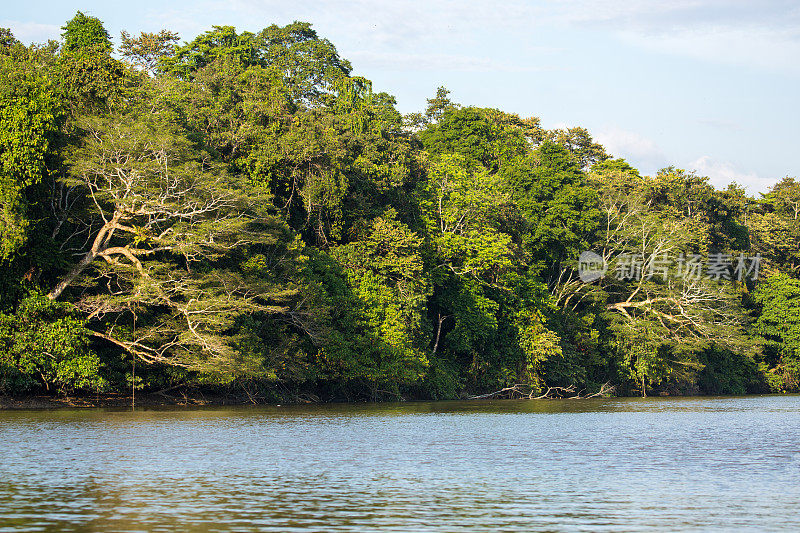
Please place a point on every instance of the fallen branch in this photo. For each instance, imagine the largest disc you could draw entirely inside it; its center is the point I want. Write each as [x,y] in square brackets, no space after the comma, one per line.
[556,392]
[508,393]
[605,389]
[522,391]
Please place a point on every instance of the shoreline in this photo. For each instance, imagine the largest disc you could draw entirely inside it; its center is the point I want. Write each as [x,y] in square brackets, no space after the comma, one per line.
[199,399]
[104,401]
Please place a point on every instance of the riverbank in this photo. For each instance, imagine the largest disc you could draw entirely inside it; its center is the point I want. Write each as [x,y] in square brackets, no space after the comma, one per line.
[118,401]
[198,398]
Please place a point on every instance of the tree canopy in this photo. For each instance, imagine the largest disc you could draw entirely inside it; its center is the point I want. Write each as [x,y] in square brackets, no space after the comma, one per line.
[243,212]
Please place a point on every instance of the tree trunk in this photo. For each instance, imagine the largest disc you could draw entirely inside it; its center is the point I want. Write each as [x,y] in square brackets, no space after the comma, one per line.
[67,280]
[99,244]
[438,333]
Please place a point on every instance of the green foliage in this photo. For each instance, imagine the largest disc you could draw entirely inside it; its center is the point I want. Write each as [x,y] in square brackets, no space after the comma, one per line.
[775,227]
[585,152]
[46,341]
[309,66]
[727,372]
[439,105]
[149,49]
[29,119]
[189,248]
[92,81]
[560,209]
[243,212]
[83,33]
[7,39]
[540,345]
[469,133]
[779,328]
[460,207]
[220,42]
[386,293]
[664,319]
[784,198]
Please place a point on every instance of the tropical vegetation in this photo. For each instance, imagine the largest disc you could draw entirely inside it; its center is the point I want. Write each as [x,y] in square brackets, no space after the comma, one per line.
[242,213]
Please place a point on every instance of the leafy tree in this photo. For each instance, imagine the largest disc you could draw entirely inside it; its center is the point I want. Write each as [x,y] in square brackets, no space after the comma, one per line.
[725,211]
[778,326]
[7,39]
[186,247]
[320,164]
[775,229]
[530,127]
[30,112]
[243,211]
[784,198]
[221,41]
[439,105]
[46,341]
[469,133]
[662,311]
[309,66]
[584,150]
[729,372]
[377,293]
[460,206]
[149,49]
[486,317]
[559,208]
[89,78]
[83,33]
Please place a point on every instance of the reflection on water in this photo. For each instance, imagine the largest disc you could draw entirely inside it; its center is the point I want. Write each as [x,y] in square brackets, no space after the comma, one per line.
[595,465]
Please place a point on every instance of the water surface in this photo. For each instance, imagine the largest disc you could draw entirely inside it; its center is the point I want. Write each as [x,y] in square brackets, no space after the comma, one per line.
[593,465]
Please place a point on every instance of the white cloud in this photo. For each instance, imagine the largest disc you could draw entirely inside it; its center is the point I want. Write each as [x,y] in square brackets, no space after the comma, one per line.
[740,32]
[432,61]
[745,45]
[32,32]
[722,173]
[638,150]
[656,16]
[721,124]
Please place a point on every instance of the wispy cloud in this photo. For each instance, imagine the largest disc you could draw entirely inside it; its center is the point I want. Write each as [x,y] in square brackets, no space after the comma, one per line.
[764,34]
[32,32]
[658,16]
[759,34]
[748,45]
[640,151]
[720,124]
[437,62]
[722,173]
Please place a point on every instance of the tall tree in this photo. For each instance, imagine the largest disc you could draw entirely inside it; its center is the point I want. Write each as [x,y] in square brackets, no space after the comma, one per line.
[148,50]
[30,112]
[778,326]
[186,248]
[84,32]
[559,208]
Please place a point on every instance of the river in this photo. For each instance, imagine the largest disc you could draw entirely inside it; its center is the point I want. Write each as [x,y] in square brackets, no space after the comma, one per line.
[660,464]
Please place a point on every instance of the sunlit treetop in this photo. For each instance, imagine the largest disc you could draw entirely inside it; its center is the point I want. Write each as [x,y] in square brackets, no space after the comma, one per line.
[84,32]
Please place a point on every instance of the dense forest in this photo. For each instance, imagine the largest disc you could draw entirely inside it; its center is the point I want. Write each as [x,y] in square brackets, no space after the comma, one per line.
[243,214]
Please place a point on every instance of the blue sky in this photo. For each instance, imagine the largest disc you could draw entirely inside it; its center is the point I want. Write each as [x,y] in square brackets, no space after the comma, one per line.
[706,85]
